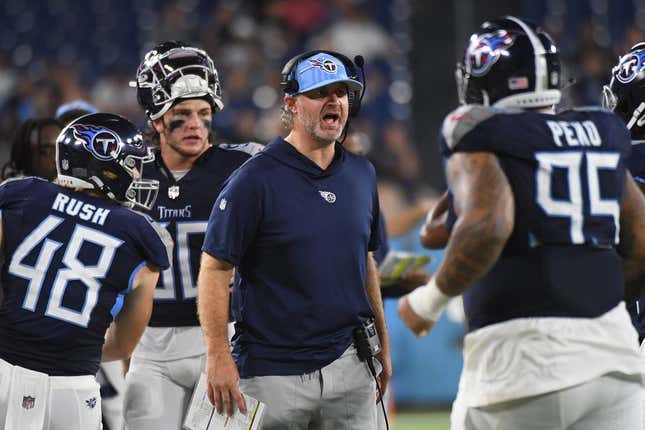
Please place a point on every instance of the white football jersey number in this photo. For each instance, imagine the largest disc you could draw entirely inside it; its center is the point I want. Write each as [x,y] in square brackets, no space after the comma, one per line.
[186,280]
[573,207]
[74,269]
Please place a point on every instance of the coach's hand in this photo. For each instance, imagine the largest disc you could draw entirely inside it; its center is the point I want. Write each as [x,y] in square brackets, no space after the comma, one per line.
[419,326]
[222,377]
[385,375]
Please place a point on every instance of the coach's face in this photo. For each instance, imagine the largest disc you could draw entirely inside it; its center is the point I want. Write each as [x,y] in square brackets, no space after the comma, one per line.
[184,129]
[322,112]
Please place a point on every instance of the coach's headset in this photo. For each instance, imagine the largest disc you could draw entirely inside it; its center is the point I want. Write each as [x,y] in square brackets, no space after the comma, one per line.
[290,84]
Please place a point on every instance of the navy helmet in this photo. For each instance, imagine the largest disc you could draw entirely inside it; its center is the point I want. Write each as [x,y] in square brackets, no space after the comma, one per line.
[106,152]
[510,63]
[173,71]
[625,94]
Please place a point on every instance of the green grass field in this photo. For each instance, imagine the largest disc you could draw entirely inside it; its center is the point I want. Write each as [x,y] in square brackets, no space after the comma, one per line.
[414,420]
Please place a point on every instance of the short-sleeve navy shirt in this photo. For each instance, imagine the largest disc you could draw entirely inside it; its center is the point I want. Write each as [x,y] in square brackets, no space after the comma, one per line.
[299,238]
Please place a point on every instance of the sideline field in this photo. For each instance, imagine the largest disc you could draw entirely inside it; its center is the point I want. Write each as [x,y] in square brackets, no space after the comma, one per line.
[416,420]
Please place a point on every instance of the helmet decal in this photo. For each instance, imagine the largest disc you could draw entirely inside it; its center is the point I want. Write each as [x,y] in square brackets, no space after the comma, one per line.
[101,142]
[484,51]
[630,66]
[106,152]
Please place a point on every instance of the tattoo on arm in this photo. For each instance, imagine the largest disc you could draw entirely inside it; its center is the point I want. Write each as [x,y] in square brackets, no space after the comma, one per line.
[483,202]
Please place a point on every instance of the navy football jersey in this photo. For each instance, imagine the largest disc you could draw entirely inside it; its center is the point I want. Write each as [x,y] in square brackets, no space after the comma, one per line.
[636,161]
[69,260]
[567,173]
[183,207]
[636,166]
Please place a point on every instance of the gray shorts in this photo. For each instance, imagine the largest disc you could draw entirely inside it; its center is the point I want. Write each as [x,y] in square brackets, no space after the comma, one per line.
[341,395]
[157,393]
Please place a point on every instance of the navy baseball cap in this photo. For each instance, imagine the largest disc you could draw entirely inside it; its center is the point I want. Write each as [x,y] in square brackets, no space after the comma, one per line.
[322,69]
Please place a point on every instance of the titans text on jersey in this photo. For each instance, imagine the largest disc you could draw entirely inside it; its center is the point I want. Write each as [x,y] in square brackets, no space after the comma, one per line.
[183,207]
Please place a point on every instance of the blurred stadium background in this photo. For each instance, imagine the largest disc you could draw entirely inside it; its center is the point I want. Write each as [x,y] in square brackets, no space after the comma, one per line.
[55,51]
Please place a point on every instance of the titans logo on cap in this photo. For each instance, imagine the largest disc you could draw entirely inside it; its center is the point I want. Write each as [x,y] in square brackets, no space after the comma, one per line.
[101,142]
[484,51]
[630,66]
[324,64]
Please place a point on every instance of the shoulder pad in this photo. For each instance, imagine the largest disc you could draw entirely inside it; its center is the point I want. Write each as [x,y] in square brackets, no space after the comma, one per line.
[22,178]
[250,148]
[161,231]
[590,108]
[462,120]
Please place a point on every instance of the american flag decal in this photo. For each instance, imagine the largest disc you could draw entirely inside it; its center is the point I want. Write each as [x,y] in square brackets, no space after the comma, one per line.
[519,83]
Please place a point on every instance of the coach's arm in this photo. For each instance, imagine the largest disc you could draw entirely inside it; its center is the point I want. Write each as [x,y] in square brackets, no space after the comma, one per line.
[213,306]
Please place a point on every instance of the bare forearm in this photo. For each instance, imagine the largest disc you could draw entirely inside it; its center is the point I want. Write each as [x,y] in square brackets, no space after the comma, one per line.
[112,349]
[374,296]
[213,305]
[126,330]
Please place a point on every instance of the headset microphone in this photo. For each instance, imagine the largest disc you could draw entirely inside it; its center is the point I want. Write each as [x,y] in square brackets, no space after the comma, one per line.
[360,62]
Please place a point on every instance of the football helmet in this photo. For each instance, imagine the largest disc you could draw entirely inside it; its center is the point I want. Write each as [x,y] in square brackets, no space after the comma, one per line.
[509,63]
[174,71]
[106,152]
[625,94]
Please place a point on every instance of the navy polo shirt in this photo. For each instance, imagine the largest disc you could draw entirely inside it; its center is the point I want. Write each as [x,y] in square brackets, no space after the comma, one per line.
[299,237]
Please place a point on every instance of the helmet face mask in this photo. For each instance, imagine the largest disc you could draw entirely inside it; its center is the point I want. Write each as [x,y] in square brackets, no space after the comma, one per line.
[173,71]
[511,64]
[106,153]
[625,94]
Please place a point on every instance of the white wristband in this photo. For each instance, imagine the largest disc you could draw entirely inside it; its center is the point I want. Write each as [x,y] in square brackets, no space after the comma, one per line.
[428,301]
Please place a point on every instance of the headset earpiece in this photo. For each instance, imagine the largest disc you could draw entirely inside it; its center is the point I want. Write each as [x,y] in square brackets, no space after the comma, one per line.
[291,86]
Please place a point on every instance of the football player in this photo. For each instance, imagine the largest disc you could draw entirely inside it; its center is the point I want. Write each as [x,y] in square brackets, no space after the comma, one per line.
[110,376]
[178,87]
[542,208]
[33,149]
[77,259]
[625,95]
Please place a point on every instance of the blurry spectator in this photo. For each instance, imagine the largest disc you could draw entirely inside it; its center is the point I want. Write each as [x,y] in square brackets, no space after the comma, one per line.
[33,150]
[354,33]
[395,156]
[302,17]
